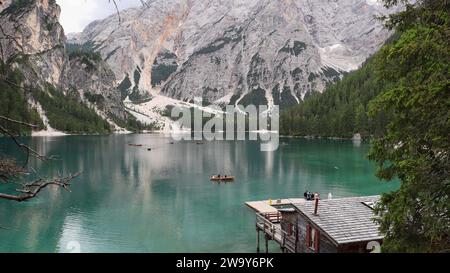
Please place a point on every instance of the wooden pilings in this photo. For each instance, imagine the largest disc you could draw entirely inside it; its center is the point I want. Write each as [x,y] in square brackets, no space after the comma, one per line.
[266,241]
[257,240]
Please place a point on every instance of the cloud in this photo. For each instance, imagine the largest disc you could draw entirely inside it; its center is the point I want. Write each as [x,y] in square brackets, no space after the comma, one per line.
[77,14]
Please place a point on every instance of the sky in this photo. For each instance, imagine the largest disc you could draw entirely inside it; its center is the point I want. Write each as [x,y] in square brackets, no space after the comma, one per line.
[76,14]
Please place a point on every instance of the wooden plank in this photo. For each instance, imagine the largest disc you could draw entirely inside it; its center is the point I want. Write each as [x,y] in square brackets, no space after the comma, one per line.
[268,220]
[261,206]
[265,207]
[344,220]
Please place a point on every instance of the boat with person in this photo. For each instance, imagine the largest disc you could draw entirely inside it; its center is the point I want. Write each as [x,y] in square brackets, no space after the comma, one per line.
[222,178]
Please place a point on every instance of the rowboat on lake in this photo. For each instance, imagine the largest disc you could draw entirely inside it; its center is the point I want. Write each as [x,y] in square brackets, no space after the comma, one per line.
[222,178]
[135,145]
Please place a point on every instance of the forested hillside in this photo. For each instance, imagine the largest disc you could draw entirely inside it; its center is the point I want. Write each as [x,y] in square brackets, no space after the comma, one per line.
[341,110]
[13,102]
[400,96]
[64,113]
[57,86]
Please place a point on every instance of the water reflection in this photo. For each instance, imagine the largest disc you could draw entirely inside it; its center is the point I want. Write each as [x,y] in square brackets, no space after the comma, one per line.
[356,142]
[130,199]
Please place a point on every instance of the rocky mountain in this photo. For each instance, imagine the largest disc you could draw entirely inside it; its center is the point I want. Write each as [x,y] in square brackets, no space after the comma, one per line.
[169,52]
[33,39]
[242,51]
[94,82]
[33,43]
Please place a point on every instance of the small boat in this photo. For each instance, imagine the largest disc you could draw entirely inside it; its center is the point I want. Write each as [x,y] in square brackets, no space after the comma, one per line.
[135,145]
[222,178]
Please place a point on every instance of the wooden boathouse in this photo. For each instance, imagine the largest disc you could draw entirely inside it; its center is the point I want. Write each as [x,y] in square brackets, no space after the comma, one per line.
[319,226]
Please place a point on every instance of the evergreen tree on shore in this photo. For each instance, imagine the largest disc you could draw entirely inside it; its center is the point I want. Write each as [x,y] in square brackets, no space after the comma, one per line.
[416,146]
[401,99]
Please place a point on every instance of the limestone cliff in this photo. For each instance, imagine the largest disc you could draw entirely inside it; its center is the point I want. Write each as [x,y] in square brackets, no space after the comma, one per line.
[252,51]
[33,42]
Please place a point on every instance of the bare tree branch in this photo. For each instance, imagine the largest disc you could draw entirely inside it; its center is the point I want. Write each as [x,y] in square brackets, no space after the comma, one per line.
[117,9]
[9,168]
[31,190]
[143,2]
[18,122]
[29,151]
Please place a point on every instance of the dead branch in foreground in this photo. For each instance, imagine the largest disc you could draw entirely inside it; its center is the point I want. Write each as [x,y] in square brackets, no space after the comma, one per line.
[9,169]
[31,190]
[29,151]
[144,4]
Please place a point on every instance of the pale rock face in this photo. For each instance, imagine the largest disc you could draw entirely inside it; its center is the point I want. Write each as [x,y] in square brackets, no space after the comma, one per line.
[240,51]
[38,35]
[94,82]
[227,52]
[38,51]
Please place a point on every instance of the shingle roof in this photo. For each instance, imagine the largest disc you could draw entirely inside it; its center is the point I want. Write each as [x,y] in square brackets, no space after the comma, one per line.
[345,220]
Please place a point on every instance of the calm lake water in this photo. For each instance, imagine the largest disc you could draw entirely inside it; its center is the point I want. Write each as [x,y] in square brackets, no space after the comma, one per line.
[129,199]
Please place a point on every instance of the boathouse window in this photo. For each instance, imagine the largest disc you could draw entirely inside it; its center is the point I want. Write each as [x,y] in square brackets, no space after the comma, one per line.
[290,229]
[312,238]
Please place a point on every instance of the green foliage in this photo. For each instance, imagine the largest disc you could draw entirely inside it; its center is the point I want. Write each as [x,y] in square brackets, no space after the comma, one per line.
[284,99]
[131,124]
[312,77]
[255,97]
[331,73]
[88,58]
[85,53]
[217,45]
[138,97]
[137,76]
[296,49]
[13,102]
[50,26]
[97,99]
[124,87]
[416,146]
[341,110]
[74,48]
[405,87]
[234,98]
[161,72]
[234,37]
[69,115]
[167,111]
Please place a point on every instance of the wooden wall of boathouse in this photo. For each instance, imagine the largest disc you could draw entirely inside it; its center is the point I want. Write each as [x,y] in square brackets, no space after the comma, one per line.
[295,224]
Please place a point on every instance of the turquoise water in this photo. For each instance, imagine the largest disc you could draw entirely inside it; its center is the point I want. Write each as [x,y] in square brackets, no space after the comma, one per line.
[129,199]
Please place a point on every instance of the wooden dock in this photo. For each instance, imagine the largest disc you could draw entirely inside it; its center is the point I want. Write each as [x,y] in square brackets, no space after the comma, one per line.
[268,206]
[268,221]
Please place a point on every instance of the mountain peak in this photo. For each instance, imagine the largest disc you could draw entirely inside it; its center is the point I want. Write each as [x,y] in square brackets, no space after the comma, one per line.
[236,52]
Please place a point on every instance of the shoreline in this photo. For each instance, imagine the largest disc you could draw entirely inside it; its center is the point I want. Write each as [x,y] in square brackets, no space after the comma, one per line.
[327,138]
[56,133]
[159,132]
[48,134]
